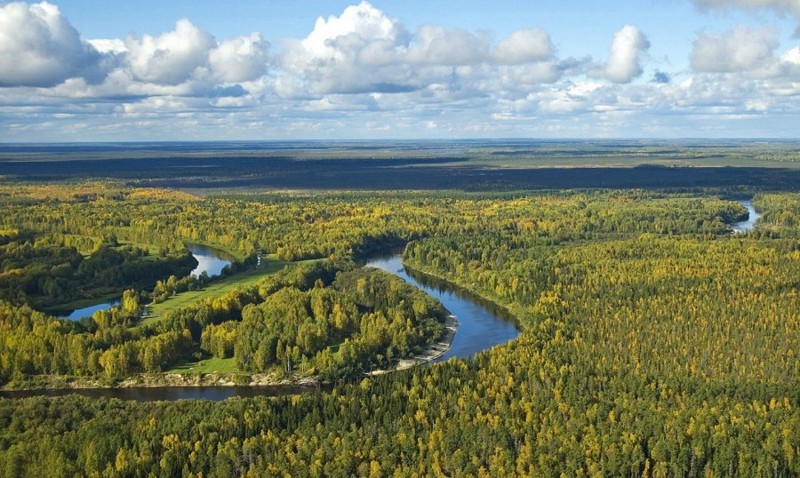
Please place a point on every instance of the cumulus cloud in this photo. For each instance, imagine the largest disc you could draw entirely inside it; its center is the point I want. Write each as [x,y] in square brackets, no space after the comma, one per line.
[170,58]
[358,51]
[524,46]
[39,47]
[363,50]
[240,59]
[624,60]
[364,71]
[741,49]
[188,57]
[108,45]
[437,45]
[361,32]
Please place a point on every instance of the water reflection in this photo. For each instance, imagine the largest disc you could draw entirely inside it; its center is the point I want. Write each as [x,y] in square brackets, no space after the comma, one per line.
[750,223]
[78,314]
[210,261]
[481,324]
[149,394]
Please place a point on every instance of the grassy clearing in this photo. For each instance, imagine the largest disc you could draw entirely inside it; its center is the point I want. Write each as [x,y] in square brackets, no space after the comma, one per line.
[208,365]
[269,265]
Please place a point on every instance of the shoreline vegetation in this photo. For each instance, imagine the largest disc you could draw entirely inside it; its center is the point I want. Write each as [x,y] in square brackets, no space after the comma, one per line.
[431,353]
[239,379]
[160,365]
[234,379]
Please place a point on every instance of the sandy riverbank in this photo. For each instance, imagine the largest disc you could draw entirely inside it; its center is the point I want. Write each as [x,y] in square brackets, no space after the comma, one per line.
[430,354]
[155,380]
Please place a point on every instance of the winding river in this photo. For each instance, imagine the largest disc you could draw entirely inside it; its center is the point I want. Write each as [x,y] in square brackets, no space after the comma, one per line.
[481,325]
[750,222]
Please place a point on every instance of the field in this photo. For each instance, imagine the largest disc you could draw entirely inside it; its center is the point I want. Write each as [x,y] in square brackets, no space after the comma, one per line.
[208,365]
[270,265]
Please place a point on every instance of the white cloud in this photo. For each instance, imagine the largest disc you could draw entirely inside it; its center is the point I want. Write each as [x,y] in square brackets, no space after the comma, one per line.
[437,45]
[792,56]
[741,49]
[240,59]
[362,72]
[185,62]
[109,45]
[170,58]
[571,98]
[524,46]
[624,59]
[188,54]
[39,47]
[527,76]
[357,26]
[365,51]
[358,51]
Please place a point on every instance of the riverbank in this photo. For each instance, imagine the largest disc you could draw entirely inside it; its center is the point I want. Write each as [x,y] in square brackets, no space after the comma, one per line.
[158,380]
[480,325]
[433,352]
[211,379]
[488,302]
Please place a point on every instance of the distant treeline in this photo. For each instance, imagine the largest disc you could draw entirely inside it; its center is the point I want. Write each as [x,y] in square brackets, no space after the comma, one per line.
[466,165]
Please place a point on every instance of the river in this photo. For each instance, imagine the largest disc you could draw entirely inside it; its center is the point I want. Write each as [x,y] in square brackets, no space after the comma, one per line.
[481,325]
[750,223]
[152,394]
[209,260]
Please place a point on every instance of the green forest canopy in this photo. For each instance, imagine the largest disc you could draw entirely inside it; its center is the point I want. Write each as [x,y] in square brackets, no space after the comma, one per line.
[654,342]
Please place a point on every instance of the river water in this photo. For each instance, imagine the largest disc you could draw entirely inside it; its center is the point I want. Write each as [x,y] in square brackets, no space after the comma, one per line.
[152,394]
[481,325]
[209,260]
[750,223]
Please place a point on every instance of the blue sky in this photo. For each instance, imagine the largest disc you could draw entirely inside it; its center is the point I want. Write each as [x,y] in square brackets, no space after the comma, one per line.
[90,70]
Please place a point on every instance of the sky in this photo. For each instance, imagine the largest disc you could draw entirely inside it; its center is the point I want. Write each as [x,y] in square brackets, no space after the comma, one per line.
[93,70]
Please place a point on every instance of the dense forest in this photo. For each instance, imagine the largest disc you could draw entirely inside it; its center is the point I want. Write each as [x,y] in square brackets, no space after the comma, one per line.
[654,341]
